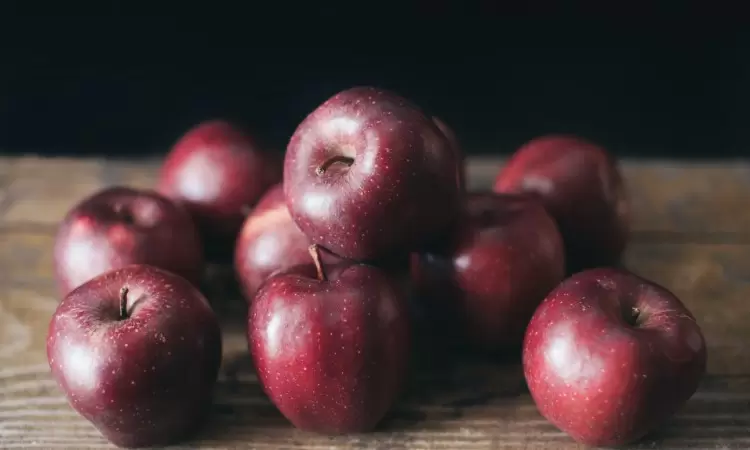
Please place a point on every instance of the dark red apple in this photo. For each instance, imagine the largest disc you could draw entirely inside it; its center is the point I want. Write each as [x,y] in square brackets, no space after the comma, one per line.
[330,345]
[119,226]
[219,172]
[582,187]
[137,352]
[368,174]
[456,146]
[505,257]
[610,356]
[269,241]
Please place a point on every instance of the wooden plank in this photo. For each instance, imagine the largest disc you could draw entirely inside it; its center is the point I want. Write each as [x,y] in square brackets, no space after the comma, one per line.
[704,199]
[26,254]
[702,275]
[41,191]
[700,198]
[713,280]
[6,168]
[690,198]
[140,174]
[473,406]
[242,418]
[702,256]
[6,165]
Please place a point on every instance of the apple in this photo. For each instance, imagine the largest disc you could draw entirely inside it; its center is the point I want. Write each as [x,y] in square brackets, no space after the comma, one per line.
[456,146]
[269,242]
[119,226]
[609,356]
[582,187]
[506,255]
[219,172]
[137,352]
[368,174]
[330,345]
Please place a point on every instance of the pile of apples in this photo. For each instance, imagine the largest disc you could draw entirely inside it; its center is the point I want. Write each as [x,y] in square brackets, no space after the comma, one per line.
[364,244]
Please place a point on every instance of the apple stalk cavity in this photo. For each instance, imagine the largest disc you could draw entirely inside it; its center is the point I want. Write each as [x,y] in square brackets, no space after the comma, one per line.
[341,161]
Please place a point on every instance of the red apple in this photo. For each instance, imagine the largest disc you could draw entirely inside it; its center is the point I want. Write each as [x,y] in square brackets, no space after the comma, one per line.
[582,188]
[137,352]
[330,346]
[456,146]
[609,356]
[505,257]
[219,173]
[269,242]
[368,174]
[120,226]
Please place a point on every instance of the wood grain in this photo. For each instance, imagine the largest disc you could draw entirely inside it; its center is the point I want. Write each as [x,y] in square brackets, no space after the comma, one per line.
[691,233]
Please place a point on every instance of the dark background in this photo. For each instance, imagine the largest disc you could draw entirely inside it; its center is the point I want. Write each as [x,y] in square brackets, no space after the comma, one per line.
[133,85]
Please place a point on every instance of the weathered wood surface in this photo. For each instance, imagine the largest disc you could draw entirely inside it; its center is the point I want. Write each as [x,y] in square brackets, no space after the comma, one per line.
[692,234]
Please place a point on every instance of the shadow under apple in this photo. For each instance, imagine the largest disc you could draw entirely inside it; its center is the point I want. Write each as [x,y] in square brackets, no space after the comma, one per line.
[220,287]
[466,385]
[240,410]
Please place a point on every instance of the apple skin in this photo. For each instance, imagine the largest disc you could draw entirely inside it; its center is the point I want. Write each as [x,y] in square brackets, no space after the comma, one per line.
[600,379]
[581,185]
[368,174]
[456,146]
[331,354]
[270,242]
[145,380]
[120,226]
[219,172]
[506,255]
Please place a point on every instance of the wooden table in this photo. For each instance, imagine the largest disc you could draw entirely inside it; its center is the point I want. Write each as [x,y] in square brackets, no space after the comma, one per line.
[692,234]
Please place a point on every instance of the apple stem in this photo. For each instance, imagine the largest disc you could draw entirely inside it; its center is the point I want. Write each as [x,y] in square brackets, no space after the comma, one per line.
[315,253]
[124,302]
[634,317]
[336,159]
